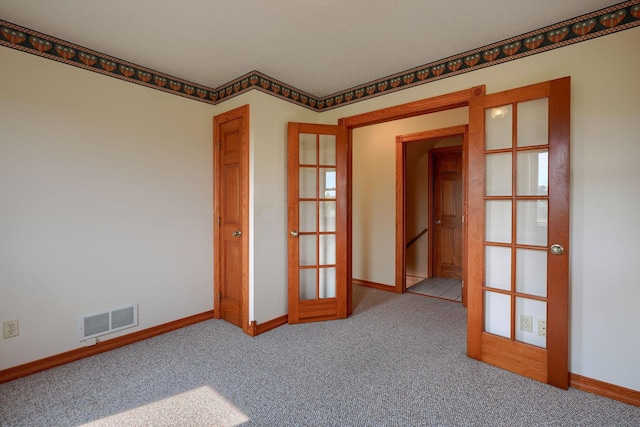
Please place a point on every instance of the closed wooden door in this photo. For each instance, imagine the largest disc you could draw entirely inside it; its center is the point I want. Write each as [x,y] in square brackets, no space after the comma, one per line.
[518,273]
[317,219]
[231,151]
[447,212]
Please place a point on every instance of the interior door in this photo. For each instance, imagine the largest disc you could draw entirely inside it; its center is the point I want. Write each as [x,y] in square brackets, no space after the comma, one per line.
[447,212]
[518,238]
[231,216]
[317,220]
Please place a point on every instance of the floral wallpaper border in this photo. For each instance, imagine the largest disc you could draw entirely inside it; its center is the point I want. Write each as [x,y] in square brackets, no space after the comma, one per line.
[599,23]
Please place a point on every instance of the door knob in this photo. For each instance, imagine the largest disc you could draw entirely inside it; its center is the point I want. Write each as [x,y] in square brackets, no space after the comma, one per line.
[556,249]
[438,221]
[237,233]
[294,233]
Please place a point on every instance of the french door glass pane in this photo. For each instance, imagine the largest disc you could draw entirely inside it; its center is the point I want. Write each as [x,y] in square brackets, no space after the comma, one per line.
[307,149]
[327,183]
[535,311]
[307,250]
[531,224]
[327,150]
[531,272]
[307,283]
[533,122]
[497,314]
[498,128]
[307,187]
[327,249]
[497,267]
[328,282]
[307,219]
[328,216]
[533,173]
[498,221]
[498,172]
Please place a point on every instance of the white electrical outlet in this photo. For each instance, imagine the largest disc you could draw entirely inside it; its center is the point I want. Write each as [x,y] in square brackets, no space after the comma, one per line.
[526,323]
[10,329]
[542,327]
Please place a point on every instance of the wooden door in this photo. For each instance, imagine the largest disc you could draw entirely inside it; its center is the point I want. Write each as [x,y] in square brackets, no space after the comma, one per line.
[447,212]
[317,220]
[231,216]
[518,237]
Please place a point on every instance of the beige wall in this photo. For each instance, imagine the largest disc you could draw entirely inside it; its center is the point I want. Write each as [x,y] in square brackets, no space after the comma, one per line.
[105,200]
[109,202]
[417,207]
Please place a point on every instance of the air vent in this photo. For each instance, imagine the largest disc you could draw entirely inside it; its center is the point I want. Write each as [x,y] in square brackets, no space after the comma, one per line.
[106,322]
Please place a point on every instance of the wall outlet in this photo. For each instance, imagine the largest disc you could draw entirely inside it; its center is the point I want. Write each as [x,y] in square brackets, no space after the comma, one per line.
[542,327]
[10,329]
[526,323]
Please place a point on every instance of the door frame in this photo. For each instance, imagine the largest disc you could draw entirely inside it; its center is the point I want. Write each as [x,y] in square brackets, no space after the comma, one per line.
[548,365]
[417,108]
[237,113]
[401,199]
[319,308]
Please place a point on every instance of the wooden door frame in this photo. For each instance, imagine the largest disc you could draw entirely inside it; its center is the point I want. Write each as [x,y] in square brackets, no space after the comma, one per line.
[556,358]
[417,108]
[237,113]
[401,196]
[317,309]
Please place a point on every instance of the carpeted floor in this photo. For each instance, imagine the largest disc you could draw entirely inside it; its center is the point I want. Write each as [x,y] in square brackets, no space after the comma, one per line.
[399,360]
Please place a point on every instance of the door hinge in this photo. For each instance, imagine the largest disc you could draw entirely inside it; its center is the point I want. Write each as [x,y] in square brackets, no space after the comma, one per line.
[463,219]
[218,145]
[219,297]
[218,221]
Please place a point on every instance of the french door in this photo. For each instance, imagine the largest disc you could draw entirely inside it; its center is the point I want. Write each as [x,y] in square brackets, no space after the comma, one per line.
[317,221]
[518,240]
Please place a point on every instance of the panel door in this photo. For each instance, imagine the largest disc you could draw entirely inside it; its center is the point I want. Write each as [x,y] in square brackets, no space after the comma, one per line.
[447,212]
[317,219]
[231,216]
[519,230]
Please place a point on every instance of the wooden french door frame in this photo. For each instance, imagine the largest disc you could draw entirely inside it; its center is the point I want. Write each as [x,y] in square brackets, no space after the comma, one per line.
[310,298]
[547,364]
[241,113]
[401,197]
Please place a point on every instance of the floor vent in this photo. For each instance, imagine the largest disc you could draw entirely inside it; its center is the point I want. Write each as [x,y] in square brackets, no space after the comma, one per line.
[106,322]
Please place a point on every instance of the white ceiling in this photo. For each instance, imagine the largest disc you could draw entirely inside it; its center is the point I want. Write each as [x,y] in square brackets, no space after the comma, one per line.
[318,46]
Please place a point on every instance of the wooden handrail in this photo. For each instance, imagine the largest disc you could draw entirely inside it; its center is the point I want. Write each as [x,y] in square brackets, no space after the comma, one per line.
[412,241]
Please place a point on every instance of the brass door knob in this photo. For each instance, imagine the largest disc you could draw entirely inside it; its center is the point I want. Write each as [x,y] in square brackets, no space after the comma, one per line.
[556,249]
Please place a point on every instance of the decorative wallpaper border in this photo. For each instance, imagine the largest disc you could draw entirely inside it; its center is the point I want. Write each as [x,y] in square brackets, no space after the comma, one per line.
[599,23]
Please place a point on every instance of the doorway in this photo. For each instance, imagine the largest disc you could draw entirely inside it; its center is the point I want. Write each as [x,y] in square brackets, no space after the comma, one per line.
[430,208]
